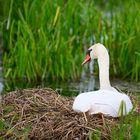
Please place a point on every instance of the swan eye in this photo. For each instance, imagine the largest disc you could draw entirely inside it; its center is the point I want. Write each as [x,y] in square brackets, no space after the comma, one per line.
[88,52]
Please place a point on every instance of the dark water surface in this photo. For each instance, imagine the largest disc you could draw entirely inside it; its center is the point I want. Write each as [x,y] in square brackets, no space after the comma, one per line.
[88,83]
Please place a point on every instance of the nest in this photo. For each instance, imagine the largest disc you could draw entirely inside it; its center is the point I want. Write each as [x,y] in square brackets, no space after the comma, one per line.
[44,114]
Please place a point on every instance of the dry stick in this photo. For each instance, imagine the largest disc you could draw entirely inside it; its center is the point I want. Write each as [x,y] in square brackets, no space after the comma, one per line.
[13,128]
[22,112]
[85,117]
[41,98]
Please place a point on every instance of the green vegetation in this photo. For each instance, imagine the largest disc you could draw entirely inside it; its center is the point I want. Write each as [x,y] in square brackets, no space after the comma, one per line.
[126,129]
[45,39]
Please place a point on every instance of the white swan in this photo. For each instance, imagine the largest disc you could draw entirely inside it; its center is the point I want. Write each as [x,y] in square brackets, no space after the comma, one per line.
[107,100]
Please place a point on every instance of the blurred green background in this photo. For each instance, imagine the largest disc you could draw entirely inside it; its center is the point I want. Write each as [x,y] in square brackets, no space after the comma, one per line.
[48,39]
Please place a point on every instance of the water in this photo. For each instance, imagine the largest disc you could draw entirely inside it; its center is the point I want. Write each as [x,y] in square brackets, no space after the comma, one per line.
[87,83]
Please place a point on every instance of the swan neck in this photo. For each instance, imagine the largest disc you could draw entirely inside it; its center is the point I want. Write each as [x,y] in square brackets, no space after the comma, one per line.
[103,61]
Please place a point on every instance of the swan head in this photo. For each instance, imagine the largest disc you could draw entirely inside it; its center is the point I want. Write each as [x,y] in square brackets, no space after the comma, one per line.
[92,52]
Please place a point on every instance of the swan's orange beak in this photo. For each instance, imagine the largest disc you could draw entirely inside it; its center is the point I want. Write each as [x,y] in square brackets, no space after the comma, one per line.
[87,59]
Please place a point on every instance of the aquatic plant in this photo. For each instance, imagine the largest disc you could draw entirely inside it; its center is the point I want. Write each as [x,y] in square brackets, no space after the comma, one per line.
[44,39]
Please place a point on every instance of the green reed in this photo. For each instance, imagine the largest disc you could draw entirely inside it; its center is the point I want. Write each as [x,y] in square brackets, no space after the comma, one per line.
[45,40]
[123,128]
[48,39]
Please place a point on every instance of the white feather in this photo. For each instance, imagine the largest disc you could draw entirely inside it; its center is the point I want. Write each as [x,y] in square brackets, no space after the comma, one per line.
[107,100]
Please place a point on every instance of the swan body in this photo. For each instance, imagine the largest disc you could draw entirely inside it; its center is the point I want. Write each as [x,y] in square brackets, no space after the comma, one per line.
[107,100]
